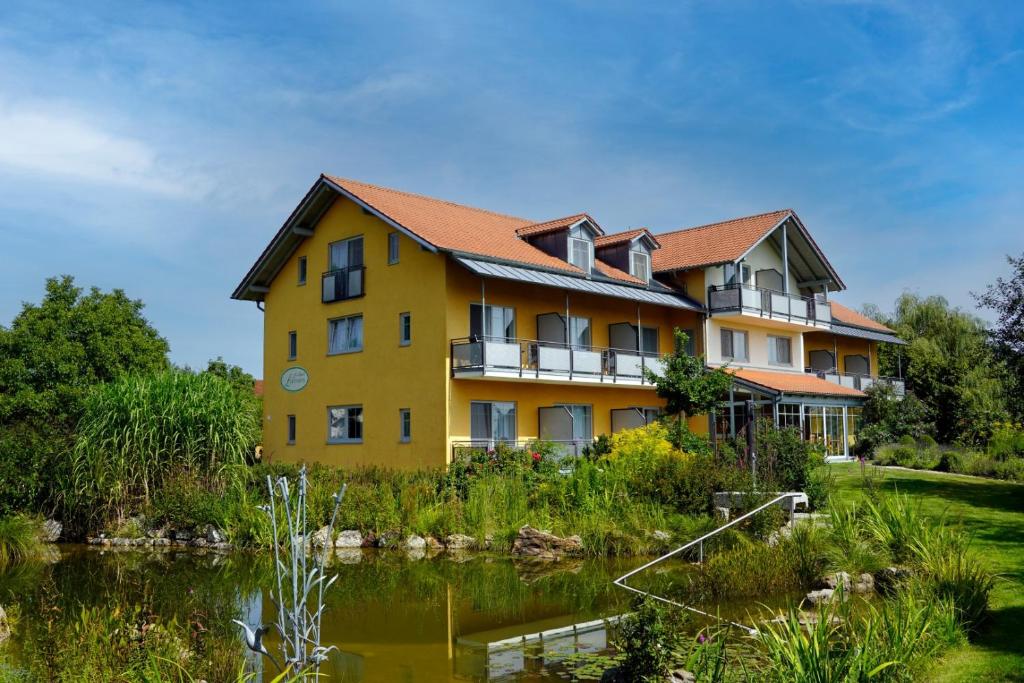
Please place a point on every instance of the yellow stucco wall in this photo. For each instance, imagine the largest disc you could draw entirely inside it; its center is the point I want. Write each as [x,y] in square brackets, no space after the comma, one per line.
[842,346]
[529,301]
[384,377]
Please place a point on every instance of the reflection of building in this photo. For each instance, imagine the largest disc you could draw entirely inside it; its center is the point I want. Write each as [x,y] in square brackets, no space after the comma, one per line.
[432,325]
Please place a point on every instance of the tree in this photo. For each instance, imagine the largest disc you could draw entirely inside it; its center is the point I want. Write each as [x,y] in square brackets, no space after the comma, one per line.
[238,378]
[53,353]
[948,364]
[688,386]
[1006,299]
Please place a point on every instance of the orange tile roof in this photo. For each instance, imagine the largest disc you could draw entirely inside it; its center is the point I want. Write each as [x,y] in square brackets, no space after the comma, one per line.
[257,387]
[620,237]
[557,224]
[794,383]
[842,314]
[713,243]
[465,229]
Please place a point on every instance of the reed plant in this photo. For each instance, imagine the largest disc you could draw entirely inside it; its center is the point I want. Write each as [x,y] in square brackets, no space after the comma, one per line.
[948,570]
[19,539]
[894,522]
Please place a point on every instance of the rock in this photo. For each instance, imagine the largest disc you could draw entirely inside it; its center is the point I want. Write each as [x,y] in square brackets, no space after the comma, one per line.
[5,626]
[349,539]
[661,536]
[488,541]
[155,532]
[887,578]
[389,539]
[415,542]
[434,544]
[51,531]
[819,597]
[532,542]
[834,581]
[215,535]
[415,553]
[865,584]
[459,542]
[199,542]
[320,538]
[681,676]
[349,555]
[161,542]
[182,535]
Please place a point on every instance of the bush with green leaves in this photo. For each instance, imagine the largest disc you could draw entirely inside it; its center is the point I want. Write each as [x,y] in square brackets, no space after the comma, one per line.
[651,639]
[139,430]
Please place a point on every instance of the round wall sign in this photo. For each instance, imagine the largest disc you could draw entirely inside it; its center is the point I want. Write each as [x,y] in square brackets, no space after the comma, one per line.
[294,379]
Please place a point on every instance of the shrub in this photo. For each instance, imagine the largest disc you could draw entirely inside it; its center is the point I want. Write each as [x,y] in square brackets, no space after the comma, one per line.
[1007,441]
[949,571]
[651,638]
[19,539]
[784,457]
[851,548]
[806,546]
[894,523]
[139,429]
[821,482]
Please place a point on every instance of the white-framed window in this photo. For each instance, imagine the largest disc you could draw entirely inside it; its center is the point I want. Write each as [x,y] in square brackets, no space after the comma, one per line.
[291,430]
[392,248]
[492,322]
[581,253]
[404,329]
[582,420]
[640,265]
[780,350]
[648,340]
[745,273]
[492,421]
[293,345]
[345,335]
[345,424]
[789,415]
[302,270]
[404,425]
[347,253]
[735,345]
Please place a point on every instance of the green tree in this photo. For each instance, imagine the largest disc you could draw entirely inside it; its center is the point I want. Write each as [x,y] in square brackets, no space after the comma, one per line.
[688,385]
[52,354]
[239,379]
[1006,299]
[948,364]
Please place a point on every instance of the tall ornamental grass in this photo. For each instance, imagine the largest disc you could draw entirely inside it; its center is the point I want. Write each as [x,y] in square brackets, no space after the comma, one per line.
[139,429]
[19,539]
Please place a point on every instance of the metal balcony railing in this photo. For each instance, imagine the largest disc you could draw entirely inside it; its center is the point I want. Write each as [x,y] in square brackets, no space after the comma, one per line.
[767,303]
[858,381]
[343,283]
[564,447]
[533,359]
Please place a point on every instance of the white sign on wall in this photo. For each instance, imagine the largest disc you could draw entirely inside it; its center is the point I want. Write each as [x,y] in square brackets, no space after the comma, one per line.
[294,379]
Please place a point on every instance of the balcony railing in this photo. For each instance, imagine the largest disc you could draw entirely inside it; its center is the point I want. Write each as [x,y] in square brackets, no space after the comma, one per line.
[767,303]
[857,381]
[562,447]
[551,361]
[343,283]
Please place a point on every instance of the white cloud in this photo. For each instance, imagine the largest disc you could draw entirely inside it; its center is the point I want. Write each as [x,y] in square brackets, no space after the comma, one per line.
[50,139]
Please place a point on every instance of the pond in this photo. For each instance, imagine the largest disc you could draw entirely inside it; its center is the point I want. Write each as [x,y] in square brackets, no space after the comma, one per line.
[392,617]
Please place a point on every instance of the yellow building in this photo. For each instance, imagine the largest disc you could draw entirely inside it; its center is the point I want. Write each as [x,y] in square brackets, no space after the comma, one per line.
[398,328]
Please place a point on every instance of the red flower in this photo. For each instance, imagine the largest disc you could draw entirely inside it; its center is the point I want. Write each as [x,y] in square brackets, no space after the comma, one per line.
[536,457]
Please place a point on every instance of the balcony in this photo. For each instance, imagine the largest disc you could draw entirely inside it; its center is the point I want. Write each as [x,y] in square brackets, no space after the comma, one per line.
[860,382]
[563,448]
[344,283]
[539,361]
[770,305]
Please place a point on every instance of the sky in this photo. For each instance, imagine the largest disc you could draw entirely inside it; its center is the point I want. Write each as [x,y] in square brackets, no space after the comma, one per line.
[157,147]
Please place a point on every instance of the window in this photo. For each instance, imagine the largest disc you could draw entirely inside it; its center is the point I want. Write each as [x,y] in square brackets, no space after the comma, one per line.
[730,274]
[789,415]
[734,345]
[582,422]
[579,333]
[640,265]
[293,345]
[345,424]
[404,425]
[492,322]
[404,329]
[344,279]
[780,350]
[822,361]
[392,248]
[345,335]
[649,340]
[492,421]
[857,365]
[302,270]
[291,430]
[581,253]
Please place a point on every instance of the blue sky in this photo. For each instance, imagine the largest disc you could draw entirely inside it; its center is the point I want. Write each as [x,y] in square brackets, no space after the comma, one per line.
[156,147]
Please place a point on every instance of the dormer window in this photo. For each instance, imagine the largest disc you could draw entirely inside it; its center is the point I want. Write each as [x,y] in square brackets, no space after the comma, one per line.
[640,265]
[581,249]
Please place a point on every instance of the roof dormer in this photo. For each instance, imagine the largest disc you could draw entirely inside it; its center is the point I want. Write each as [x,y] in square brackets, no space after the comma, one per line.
[570,239]
[629,251]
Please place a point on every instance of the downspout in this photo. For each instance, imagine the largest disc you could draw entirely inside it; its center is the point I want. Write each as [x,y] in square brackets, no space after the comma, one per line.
[785,261]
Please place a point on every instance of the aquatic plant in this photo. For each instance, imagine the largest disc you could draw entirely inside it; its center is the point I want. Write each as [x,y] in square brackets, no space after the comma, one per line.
[19,539]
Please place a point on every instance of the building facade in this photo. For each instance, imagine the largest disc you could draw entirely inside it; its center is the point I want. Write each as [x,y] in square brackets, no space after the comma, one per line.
[399,328]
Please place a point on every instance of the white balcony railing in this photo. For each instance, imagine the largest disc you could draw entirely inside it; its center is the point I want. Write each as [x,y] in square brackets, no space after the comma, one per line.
[551,361]
[767,303]
[856,381]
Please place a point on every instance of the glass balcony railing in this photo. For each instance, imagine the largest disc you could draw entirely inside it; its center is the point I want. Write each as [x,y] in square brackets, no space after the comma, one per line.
[857,381]
[541,360]
[343,283]
[767,303]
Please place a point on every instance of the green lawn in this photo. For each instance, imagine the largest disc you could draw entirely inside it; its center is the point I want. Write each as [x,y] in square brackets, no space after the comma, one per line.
[993,512]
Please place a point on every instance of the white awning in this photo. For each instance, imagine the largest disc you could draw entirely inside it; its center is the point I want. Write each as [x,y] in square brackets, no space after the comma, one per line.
[579,284]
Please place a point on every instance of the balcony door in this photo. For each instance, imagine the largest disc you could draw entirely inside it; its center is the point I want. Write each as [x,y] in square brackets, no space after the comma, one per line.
[492,421]
[570,424]
[494,323]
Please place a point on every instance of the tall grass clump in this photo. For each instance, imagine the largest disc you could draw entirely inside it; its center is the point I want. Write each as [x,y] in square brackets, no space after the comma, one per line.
[894,522]
[950,571]
[140,429]
[19,539]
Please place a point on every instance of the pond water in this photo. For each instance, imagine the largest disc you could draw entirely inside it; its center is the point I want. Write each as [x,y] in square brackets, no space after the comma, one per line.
[392,617]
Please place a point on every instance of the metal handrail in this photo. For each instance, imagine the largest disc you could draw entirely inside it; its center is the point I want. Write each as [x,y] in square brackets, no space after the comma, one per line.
[501,339]
[621,581]
[755,288]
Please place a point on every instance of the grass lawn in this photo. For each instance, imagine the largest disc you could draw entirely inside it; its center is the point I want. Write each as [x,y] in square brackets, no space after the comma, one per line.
[993,512]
